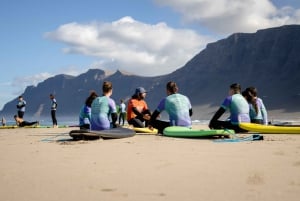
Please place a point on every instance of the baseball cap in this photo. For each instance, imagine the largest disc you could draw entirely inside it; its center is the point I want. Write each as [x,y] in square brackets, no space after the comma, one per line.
[140,90]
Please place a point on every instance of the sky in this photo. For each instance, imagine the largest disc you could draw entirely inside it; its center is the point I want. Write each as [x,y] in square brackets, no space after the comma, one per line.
[43,38]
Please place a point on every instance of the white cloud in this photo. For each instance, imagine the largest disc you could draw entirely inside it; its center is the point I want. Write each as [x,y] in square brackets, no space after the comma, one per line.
[127,44]
[22,82]
[230,16]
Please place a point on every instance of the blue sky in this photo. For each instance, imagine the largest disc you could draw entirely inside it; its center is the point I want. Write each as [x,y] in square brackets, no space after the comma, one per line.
[40,38]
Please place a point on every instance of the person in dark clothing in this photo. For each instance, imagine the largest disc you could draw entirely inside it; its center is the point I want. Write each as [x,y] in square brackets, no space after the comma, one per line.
[21,107]
[21,123]
[53,110]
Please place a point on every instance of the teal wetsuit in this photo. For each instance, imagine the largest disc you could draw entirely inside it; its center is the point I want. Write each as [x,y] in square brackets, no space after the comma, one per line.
[239,112]
[102,107]
[238,107]
[177,106]
[179,109]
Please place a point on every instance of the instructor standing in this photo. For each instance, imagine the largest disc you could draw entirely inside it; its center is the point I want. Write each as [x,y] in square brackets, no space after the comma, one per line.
[21,107]
[53,110]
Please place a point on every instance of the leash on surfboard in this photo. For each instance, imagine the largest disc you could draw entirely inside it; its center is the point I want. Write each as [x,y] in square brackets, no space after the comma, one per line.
[235,138]
[52,139]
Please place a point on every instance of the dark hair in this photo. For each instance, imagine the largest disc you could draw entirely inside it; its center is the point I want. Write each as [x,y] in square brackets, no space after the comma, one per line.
[250,94]
[89,100]
[106,87]
[236,88]
[172,87]
[253,91]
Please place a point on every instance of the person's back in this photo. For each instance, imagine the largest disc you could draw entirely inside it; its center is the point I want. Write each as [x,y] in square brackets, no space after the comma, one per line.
[178,106]
[85,111]
[239,109]
[258,113]
[100,113]
[84,116]
[101,108]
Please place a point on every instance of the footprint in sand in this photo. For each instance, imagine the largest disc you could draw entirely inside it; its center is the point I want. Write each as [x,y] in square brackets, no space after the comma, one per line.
[255,179]
[296,164]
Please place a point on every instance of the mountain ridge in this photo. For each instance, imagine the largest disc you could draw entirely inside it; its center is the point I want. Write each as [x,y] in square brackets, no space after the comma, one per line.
[267,59]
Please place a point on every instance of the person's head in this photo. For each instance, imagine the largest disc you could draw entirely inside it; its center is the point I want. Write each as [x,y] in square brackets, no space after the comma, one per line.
[107,88]
[247,95]
[20,97]
[122,101]
[252,90]
[89,100]
[16,117]
[140,93]
[51,96]
[171,87]
[235,89]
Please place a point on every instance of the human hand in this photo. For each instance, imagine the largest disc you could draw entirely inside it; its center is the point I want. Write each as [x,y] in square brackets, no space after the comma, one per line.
[146,116]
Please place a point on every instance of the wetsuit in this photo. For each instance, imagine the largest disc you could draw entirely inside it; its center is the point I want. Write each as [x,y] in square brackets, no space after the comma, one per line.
[21,108]
[179,109]
[261,117]
[239,112]
[85,117]
[53,112]
[102,108]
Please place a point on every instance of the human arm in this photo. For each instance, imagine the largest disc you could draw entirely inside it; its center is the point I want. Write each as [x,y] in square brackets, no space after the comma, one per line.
[216,116]
[21,104]
[264,113]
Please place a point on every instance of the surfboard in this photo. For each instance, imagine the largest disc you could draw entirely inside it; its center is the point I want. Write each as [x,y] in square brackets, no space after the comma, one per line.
[145,130]
[114,133]
[180,131]
[33,126]
[270,128]
[8,126]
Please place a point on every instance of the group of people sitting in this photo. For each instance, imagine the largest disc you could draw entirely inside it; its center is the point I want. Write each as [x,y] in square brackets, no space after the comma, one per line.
[100,112]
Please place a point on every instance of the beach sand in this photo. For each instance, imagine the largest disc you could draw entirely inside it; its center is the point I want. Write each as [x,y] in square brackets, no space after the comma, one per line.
[41,164]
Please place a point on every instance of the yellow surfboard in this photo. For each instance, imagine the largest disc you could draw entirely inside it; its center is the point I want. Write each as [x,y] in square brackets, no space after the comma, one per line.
[270,128]
[145,130]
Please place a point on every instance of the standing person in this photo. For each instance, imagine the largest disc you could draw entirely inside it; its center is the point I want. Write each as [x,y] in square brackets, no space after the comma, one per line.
[3,121]
[85,112]
[238,108]
[177,106]
[21,123]
[258,111]
[21,106]
[102,108]
[137,109]
[53,110]
[122,108]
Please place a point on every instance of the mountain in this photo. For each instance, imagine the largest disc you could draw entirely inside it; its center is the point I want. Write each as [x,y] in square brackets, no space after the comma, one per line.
[268,59]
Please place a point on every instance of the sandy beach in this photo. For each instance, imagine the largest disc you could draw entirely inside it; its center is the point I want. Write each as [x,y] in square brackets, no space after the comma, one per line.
[42,164]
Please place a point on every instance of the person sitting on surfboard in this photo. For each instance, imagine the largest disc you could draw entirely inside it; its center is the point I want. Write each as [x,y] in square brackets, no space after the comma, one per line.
[137,109]
[21,123]
[85,111]
[258,112]
[103,107]
[177,106]
[238,108]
